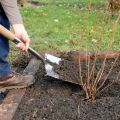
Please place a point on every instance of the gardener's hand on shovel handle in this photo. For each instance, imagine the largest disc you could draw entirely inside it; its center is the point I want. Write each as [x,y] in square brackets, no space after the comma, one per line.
[20,38]
[21,33]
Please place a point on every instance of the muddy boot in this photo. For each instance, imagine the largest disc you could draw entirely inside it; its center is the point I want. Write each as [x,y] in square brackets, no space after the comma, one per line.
[15,80]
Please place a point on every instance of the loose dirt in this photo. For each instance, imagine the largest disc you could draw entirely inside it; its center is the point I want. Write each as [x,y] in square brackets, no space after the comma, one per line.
[69,68]
[52,99]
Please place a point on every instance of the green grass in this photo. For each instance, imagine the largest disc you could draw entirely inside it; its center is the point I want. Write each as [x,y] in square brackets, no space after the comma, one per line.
[65,25]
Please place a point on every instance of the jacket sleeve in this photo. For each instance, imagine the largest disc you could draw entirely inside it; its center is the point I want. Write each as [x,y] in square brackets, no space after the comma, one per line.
[12,11]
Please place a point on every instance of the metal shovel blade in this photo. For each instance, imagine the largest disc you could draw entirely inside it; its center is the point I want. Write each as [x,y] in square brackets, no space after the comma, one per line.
[51,61]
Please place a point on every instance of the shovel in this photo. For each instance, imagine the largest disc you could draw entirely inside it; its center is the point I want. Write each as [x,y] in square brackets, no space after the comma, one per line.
[48,59]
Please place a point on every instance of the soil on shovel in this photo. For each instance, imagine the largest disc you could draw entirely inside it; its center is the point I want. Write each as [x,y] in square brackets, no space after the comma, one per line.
[52,99]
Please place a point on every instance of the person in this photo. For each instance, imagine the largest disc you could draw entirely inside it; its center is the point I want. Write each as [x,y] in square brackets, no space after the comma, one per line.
[10,15]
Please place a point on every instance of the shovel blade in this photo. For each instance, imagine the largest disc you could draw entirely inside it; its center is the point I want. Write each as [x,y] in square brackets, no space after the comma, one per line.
[51,66]
[51,73]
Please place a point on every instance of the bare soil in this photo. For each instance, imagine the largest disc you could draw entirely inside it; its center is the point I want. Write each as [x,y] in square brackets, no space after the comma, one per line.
[69,70]
[53,99]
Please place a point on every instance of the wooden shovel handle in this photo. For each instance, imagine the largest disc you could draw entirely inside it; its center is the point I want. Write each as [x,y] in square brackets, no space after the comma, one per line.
[6,33]
[10,36]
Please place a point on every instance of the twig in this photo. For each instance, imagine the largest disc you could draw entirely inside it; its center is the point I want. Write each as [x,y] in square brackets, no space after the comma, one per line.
[108,74]
[109,84]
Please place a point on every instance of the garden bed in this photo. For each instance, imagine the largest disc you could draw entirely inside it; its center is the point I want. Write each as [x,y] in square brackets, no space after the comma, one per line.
[53,99]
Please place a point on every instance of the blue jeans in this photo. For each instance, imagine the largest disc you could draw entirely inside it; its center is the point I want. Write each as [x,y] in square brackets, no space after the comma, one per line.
[5,68]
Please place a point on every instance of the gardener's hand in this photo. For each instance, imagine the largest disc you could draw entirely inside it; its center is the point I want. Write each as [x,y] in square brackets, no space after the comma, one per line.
[21,33]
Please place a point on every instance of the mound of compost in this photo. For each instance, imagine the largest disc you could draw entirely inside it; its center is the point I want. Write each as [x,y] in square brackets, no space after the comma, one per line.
[53,99]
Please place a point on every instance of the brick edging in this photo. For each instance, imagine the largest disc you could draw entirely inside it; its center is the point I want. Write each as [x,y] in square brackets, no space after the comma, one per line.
[11,103]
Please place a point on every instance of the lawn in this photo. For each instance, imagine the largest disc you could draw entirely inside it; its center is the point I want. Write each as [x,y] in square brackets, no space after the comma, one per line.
[67,25]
